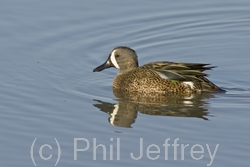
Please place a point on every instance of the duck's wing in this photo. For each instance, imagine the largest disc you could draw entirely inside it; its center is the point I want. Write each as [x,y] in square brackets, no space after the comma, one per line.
[179,71]
[189,73]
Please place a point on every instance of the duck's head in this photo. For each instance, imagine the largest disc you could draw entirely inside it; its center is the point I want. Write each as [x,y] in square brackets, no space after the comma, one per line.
[121,57]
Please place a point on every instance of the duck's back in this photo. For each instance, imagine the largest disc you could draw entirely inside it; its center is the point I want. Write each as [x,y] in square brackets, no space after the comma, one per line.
[163,77]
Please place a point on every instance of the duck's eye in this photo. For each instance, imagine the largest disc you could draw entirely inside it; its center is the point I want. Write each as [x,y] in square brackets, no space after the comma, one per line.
[117,55]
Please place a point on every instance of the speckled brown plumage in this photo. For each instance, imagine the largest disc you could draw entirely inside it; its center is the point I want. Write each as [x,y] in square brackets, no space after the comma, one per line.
[147,80]
[159,77]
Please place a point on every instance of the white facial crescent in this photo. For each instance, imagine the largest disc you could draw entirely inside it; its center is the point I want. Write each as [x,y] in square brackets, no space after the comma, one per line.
[113,60]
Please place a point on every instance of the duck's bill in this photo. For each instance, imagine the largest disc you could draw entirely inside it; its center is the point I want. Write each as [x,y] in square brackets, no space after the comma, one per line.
[105,65]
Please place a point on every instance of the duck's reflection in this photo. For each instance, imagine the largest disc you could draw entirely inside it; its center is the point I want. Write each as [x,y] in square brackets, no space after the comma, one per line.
[129,104]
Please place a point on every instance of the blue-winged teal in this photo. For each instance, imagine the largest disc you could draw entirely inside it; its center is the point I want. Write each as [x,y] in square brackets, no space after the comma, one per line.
[159,77]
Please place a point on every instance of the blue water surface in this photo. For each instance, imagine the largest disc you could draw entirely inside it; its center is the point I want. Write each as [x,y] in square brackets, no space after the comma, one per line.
[51,102]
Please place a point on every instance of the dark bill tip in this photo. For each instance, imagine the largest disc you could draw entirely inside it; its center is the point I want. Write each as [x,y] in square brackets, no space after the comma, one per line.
[105,65]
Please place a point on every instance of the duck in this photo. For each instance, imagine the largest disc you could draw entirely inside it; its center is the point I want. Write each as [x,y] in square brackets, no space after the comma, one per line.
[156,77]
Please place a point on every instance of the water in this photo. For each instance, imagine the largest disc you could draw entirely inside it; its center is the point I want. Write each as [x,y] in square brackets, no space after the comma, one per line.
[48,90]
